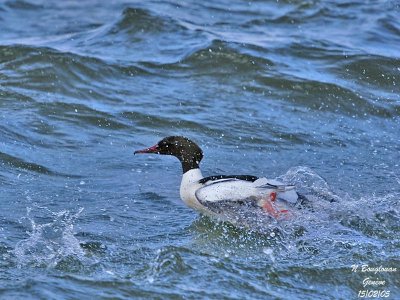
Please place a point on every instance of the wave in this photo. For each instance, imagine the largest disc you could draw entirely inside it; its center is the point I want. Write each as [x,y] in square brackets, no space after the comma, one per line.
[220,57]
[23,5]
[327,96]
[147,121]
[49,70]
[16,162]
[141,21]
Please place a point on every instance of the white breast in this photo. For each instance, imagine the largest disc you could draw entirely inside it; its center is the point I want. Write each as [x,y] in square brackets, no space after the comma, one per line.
[189,185]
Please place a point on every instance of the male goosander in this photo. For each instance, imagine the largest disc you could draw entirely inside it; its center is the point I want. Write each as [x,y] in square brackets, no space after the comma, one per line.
[220,194]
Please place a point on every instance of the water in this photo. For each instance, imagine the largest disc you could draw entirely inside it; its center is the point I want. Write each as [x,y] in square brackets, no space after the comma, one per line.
[307,91]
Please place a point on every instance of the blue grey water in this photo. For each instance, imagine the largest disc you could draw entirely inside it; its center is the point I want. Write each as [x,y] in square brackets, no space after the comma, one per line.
[307,91]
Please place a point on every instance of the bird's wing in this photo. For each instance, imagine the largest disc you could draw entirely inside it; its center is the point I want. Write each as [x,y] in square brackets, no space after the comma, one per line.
[211,179]
[230,189]
[234,189]
[247,202]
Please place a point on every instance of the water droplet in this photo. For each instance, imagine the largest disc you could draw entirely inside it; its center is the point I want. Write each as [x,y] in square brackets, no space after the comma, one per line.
[268,251]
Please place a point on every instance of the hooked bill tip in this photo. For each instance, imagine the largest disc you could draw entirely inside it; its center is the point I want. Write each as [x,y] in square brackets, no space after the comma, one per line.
[153,149]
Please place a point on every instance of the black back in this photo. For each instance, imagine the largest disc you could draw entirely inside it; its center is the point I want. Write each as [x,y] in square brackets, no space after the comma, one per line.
[240,177]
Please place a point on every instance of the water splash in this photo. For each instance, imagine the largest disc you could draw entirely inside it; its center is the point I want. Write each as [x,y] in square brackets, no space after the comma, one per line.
[336,228]
[372,208]
[342,228]
[309,183]
[51,243]
[167,260]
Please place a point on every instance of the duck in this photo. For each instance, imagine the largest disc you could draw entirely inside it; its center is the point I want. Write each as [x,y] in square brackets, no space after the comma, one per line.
[221,195]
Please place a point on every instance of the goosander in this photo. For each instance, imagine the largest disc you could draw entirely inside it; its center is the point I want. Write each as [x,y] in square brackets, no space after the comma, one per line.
[218,195]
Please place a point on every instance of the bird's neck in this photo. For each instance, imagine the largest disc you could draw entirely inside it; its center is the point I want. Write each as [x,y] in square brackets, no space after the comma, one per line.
[192,176]
[189,164]
[189,185]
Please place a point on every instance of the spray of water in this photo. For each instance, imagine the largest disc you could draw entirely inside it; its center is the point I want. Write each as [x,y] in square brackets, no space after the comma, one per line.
[334,226]
[51,241]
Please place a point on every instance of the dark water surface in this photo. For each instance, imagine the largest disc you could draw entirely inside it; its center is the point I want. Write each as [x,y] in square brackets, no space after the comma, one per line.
[307,91]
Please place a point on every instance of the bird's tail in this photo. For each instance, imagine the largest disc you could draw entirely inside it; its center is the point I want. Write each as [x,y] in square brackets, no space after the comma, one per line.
[284,191]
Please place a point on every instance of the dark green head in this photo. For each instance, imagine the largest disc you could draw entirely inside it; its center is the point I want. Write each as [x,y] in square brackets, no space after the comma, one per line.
[188,153]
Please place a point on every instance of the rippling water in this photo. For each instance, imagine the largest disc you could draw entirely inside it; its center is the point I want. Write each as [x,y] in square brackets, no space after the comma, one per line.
[307,91]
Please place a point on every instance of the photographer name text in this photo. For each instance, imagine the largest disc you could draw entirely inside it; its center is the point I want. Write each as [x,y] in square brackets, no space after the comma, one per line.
[373,287]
